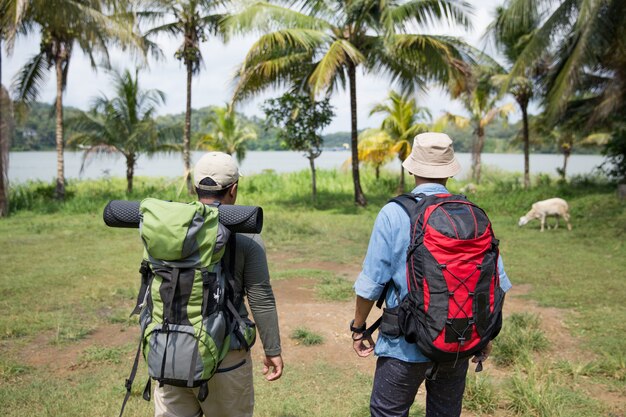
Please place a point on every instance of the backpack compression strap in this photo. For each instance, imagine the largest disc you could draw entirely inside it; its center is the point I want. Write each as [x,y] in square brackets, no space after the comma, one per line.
[146,280]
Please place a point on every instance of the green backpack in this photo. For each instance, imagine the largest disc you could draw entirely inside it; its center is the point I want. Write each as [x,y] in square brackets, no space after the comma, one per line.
[188,309]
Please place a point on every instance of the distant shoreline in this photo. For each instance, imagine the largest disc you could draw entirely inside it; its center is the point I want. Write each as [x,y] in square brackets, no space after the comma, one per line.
[41,165]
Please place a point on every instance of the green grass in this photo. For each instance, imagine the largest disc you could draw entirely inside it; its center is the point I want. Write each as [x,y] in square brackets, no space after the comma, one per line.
[480,394]
[103,355]
[307,337]
[65,275]
[534,390]
[335,289]
[519,339]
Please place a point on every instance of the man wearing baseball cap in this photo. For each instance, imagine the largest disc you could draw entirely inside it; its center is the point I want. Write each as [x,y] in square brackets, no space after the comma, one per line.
[231,393]
[401,367]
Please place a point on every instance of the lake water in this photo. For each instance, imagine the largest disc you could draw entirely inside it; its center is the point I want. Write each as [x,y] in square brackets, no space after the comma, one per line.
[25,166]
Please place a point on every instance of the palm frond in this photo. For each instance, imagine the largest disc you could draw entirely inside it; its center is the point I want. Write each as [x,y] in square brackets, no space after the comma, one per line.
[285,41]
[501,112]
[276,72]
[29,80]
[263,17]
[461,122]
[340,54]
[426,13]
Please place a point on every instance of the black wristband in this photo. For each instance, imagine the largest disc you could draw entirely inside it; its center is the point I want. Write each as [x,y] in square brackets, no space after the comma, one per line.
[360,329]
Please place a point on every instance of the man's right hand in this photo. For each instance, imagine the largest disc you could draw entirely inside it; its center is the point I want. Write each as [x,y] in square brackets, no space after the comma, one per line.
[275,364]
[363,346]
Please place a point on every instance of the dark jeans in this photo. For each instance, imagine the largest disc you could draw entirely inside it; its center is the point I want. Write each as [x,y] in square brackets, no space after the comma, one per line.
[396,383]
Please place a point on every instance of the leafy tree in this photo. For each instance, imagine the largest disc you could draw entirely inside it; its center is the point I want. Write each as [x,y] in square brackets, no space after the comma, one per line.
[404,121]
[301,119]
[227,133]
[376,148]
[193,21]
[63,25]
[123,124]
[320,45]
[511,33]
[480,99]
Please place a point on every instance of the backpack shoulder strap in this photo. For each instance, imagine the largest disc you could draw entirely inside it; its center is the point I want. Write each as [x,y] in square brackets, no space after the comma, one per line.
[406,201]
[235,299]
[413,207]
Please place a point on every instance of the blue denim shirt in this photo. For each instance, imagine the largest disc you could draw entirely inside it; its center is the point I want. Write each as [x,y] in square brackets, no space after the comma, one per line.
[385,260]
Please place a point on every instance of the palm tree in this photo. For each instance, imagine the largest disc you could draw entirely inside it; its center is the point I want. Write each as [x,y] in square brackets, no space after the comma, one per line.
[193,21]
[6,114]
[404,121]
[227,133]
[325,42]
[63,25]
[6,133]
[511,37]
[588,41]
[376,148]
[123,124]
[480,100]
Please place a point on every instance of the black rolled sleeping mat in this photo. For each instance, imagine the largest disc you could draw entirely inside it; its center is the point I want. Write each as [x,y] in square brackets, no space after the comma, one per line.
[238,219]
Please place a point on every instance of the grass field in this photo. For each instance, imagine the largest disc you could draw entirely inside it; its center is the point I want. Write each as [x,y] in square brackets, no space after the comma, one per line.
[68,282]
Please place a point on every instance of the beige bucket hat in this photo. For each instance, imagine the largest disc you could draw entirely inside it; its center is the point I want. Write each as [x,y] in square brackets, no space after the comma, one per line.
[220,167]
[432,156]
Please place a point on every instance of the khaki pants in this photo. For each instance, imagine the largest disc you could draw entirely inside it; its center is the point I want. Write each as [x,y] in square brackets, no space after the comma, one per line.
[230,393]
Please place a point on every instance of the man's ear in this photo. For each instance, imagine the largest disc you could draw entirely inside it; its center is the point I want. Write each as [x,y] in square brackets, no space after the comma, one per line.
[233,191]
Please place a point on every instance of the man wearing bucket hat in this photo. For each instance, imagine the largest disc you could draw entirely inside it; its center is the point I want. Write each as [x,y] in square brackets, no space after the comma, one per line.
[401,367]
[231,393]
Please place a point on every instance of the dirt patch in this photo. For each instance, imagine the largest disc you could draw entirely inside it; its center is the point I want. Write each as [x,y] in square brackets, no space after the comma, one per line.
[298,306]
[65,357]
[552,322]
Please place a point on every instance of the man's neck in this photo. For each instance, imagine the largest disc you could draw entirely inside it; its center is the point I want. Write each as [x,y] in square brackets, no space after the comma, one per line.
[209,201]
[420,181]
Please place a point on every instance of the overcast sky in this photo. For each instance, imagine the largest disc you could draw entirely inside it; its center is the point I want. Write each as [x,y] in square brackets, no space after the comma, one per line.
[213,86]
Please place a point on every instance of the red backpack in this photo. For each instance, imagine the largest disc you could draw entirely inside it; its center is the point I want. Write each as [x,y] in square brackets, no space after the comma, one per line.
[454,305]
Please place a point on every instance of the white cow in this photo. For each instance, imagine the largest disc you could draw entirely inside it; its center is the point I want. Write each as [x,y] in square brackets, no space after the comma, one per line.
[556,207]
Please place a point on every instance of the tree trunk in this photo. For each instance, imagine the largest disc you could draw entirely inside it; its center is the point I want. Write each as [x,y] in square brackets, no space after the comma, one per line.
[6,132]
[313,179]
[524,107]
[359,197]
[476,154]
[401,185]
[130,172]
[567,151]
[60,60]
[377,170]
[187,132]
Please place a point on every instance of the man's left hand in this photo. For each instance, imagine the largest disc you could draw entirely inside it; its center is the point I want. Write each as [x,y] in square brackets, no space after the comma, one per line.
[360,346]
[273,364]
